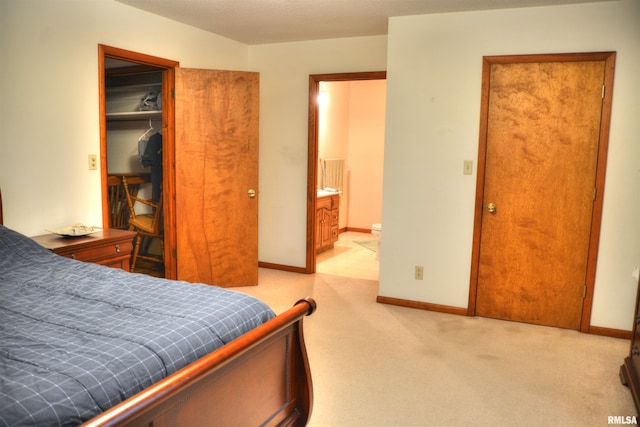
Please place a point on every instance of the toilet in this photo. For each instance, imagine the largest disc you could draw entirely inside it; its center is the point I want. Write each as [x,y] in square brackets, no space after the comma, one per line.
[376,230]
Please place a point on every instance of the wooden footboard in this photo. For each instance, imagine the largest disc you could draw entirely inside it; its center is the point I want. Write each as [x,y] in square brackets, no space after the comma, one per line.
[260,379]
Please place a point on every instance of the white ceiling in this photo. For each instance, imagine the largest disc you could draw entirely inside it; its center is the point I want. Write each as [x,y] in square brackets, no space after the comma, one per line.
[275,21]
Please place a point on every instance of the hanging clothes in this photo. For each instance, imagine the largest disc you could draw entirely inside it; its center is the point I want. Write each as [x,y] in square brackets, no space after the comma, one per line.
[145,153]
[143,141]
[153,156]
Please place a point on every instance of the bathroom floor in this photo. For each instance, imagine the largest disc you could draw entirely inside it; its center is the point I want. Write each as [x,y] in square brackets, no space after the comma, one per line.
[349,259]
[346,259]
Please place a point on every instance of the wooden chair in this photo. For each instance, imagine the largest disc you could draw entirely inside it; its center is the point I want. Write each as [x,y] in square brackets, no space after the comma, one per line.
[147,225]
[118,211]
[118,208]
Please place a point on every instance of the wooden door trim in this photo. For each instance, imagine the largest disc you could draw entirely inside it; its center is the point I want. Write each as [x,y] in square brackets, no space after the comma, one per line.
[312,158]
[167,67]
[596,220]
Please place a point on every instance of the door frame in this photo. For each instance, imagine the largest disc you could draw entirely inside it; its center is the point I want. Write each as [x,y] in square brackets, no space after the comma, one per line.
[167,67]
[596,219]
[312,156]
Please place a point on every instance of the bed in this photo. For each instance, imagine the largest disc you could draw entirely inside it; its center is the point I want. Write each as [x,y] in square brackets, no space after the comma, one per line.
[87,344]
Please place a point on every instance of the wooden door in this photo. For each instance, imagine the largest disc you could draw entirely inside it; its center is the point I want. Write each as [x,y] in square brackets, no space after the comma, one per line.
[216,163]
[542,145]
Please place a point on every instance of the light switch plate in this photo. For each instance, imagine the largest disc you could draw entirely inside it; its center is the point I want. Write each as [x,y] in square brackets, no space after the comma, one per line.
[468,167]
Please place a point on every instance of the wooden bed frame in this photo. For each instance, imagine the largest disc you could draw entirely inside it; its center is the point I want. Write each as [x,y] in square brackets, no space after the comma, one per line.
[261,378]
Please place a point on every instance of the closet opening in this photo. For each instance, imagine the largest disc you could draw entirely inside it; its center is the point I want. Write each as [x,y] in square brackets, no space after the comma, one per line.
[136,150]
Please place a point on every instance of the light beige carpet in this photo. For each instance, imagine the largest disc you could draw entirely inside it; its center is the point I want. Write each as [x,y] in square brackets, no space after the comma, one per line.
[381,365]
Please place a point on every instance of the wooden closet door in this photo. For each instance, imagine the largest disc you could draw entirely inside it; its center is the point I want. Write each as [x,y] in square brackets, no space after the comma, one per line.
[216,155]
[539,190]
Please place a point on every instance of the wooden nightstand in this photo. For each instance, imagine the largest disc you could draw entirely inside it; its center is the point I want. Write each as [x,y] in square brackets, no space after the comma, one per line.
[111,247]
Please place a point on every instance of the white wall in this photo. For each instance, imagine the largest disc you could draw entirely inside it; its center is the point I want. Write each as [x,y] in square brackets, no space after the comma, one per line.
[366,152]
[433,107]
[333,136]
[333,123]
[284,104]
[49,98]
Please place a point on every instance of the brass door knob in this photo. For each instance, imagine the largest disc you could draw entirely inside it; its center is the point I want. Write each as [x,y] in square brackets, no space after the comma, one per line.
[491,208]
[251,193]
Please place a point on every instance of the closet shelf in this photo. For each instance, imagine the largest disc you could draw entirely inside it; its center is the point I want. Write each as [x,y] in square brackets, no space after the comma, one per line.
[135,87]
[135,115]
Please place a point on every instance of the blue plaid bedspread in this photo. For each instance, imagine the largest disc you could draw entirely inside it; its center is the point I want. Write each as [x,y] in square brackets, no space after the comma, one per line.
[78,338]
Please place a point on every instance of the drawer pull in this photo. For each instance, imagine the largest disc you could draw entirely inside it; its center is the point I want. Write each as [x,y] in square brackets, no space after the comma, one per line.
[117,248]
[73,256]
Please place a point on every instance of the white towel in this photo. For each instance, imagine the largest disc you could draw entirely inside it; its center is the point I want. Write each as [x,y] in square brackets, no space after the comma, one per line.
[333,173]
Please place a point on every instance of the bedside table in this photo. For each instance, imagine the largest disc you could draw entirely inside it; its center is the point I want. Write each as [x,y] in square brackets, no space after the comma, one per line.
[110,247]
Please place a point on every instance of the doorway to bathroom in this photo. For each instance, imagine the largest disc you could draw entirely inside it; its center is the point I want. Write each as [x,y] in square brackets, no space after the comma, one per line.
[346,152]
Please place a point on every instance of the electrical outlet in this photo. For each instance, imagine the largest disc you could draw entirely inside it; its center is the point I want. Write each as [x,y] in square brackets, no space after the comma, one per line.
[93,162]
[419,272]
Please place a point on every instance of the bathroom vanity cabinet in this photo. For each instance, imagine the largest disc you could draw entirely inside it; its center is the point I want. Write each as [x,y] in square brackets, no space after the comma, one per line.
[327,215]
